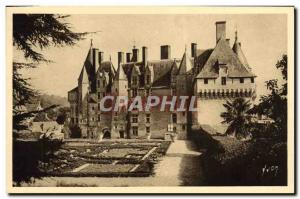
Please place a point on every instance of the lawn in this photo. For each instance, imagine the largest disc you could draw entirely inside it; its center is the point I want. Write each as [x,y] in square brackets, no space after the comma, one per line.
[109,158]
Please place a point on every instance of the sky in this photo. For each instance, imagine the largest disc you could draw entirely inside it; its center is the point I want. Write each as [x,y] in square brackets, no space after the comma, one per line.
[263,38]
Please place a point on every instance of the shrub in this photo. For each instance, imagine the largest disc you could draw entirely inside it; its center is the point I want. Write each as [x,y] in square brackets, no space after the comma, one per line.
[204,141]
[28,154]
[243,163]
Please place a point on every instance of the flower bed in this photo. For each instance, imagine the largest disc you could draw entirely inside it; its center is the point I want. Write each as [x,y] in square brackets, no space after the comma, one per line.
[103,168]
[106,159]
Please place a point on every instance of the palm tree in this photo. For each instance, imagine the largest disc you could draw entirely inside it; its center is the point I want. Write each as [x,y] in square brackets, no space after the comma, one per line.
[236,117]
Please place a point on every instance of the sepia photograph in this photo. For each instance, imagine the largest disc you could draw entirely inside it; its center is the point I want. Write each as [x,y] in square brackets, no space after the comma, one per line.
[150,100]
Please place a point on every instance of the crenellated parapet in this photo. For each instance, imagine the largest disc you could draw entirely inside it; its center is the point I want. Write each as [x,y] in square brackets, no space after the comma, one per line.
[226,93]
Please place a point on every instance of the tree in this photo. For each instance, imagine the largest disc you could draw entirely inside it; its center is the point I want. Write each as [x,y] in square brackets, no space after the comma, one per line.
[236,116]
[33,33]
[274,105]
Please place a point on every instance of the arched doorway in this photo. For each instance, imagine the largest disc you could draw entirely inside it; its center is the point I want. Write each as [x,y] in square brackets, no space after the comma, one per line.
[106,134]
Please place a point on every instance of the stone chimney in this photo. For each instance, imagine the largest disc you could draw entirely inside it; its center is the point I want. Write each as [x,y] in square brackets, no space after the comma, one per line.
[100,57]
[220,30]
[135,55]
[165,52]
[193,49]
[128,57]
[120,58]
[144,55]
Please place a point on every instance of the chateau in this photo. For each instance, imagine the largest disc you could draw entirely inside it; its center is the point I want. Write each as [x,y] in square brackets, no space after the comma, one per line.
[212,75]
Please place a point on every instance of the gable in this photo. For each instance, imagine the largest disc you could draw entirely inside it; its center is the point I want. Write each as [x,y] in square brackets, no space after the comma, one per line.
[120,74]
[107,67]
[186,64]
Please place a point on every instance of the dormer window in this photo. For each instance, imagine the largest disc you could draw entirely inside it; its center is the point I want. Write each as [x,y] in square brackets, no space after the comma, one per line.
[241,80]
[222,69]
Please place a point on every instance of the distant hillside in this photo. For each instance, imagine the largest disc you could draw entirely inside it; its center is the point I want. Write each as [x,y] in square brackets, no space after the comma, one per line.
[48,100]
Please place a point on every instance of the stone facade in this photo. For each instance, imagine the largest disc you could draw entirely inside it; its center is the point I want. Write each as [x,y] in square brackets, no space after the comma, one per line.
[213,75]
[224,74]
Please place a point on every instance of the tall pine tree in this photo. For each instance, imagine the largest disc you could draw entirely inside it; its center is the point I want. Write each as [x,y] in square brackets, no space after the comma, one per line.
[32,33]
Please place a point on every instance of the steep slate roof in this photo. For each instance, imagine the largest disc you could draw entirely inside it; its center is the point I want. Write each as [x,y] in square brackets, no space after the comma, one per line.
[223,54]
[74,89]
[108,67]
[84,77]
[162,72]
[87,74]
[176,65]
[164,80]
[88,65]
[93,98]
[238,50]
[120,74]
[160,69]
[202,56]
[127,67]
[186,63]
